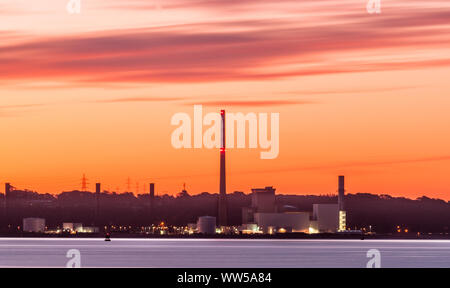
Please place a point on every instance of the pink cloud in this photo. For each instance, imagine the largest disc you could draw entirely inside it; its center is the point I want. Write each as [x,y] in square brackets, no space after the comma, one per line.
[138,99]
[217,51]
[252,103]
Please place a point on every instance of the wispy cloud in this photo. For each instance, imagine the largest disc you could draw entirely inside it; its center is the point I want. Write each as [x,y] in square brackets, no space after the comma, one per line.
[325,167]
[17,109]
[18,106]
[252,103]
[241,48]
[347,91]
[351,165]
[138,99]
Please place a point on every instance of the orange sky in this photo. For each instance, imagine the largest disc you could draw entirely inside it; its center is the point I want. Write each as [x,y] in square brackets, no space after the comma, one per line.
[361,95]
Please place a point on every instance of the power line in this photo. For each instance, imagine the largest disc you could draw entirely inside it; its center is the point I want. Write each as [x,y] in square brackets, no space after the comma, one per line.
[84,183]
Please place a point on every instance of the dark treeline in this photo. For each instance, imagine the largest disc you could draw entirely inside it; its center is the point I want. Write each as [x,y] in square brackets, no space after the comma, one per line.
[384,213]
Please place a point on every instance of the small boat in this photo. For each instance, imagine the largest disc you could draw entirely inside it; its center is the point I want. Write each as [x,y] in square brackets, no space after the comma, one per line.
[107,237]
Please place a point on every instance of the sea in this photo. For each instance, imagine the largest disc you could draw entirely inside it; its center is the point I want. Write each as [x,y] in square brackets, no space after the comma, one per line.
[222,253]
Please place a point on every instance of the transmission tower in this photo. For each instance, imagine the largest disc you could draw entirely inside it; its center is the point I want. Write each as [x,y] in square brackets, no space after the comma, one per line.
[84,183]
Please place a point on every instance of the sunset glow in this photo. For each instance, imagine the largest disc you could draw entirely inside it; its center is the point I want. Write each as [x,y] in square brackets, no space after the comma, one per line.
[360,95]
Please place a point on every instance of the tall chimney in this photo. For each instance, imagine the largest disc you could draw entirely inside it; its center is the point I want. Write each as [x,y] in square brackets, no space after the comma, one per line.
[152,200]
[223,192]
[152,191]
[7,189]
[341,194]
[7,195]
[151,203]
[97,200]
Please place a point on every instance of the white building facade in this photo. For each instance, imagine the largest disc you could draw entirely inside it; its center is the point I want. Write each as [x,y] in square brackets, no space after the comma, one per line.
[36,225]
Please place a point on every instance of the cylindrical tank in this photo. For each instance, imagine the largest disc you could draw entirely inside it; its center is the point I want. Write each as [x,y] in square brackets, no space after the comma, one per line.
[206,225]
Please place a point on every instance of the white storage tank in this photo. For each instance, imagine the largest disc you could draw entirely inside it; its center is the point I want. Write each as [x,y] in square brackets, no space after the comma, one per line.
[206,225]
[33,225]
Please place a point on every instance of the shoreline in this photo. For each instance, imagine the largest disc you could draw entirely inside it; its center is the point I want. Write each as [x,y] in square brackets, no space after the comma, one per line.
[292,236]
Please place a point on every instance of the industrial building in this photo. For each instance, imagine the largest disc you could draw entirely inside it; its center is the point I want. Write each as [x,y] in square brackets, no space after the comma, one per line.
[326,218]
[263,212]
[263,201]
[286,222]
[70,227]
[36,225]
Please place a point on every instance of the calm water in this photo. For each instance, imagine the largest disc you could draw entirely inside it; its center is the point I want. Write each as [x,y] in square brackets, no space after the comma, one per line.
[39,252]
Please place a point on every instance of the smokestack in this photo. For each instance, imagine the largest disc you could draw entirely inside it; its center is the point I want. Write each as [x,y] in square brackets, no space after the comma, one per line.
[7,195]
[97,200]
[342,212]
[152,191]
[152,200]
[341,194]
[222,194]
[7,189]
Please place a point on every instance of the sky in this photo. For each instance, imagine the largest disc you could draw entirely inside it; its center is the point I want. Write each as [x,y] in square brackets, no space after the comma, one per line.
[358,94]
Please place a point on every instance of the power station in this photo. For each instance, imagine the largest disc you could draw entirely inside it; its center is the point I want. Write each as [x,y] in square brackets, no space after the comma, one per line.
[265,216]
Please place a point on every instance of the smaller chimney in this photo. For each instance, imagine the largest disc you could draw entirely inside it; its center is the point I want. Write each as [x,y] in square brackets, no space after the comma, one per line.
[6,202]
[7,189]
[151,202]
[152,191]
[97,200]
[341,193]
